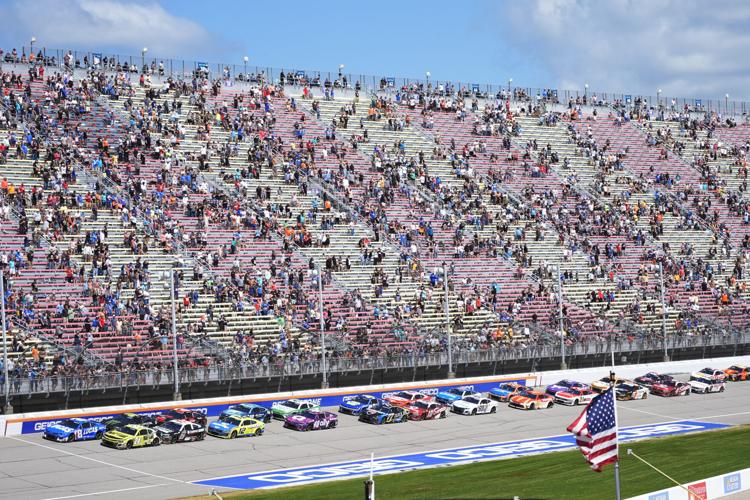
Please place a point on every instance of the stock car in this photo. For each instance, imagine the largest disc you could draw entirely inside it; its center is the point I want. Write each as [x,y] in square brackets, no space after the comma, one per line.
[427,410]
[405,398]
[564,385]
[74,429]
[652,378]
[231,427]
[735,373]
[178,431]
[626,391]
[311,421]
[531,400]
[291,407]
[357,404]
[503,392]
[248,410]
[573,397]
[130,436]
[474,405]
[671,388]
[127,419]
[704,385]
[182,414]
[452,395]
[605,383]
[710,373]
[384,414]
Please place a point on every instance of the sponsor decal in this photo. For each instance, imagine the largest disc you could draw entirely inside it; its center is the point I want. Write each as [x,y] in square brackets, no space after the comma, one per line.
[662,495]
[443,457]
[732,483]
[697,491]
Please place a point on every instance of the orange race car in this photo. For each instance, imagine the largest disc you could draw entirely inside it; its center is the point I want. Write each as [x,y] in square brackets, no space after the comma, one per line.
[735,373]
[531,400]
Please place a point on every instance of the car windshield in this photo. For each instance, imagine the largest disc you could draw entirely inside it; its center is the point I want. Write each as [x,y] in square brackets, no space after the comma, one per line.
[701,380]
[233,420]
[125,417]
[625,387]
[736,368]
[128,430]
[361,399]
[171,414]
[422,404]
[472,400]
[172,426]
[574,392]
[309,414]
[68,423]
[242,408]
[457,392]
[527,394]
[507,387]
[404,395]
[291,404]
[707,371]
[566,383]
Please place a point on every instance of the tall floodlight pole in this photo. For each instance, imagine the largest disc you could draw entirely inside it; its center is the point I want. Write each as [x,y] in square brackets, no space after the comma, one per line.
[448,324]
[176,396]
[663,313]
[8,408]
[563,366]
[324,384]
[245,60]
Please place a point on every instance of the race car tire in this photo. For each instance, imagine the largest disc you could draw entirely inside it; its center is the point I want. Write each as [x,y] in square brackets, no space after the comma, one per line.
[156,442]
[70,438]
[259,432]
[201,437]
[99,435]
[721,389]
[532,406]
[645,395]
[232,434]
[444,414]
[493,409]
[267,419]
[129,445]
[576,402]
[473,412]
[550,405]
[333,425]
[308,427]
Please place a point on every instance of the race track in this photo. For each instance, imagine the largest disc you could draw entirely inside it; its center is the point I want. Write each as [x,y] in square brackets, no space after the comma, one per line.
[32,468]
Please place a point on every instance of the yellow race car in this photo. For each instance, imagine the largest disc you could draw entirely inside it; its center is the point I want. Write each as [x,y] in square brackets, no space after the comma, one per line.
[232,426]
[130,436]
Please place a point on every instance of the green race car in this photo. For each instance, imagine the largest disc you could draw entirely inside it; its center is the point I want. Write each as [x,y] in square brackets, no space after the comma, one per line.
[291,407]
[130,436]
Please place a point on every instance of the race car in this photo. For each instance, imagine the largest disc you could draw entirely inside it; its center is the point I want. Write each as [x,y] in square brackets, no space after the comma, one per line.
[531,400]
[178,431]
[74,429]
[451,395]
[233,427]
[626,391]
[357,404]
[311,420]
[280,411]
[651,378]
[384,414]
[129,418]
[735,373]
[604,383]
[503,392]
[248,410]
[405,398]
[704,385]
[474,405]
[427,410]
[573,397]
[130,436]
[671,388]
[564,385]
[710,373]
[182,414]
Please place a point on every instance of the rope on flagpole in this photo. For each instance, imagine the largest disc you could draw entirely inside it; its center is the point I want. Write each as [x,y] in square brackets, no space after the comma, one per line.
[612,379]
[631,452]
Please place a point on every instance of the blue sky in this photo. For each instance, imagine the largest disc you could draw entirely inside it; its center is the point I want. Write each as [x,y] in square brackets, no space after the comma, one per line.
[685,47]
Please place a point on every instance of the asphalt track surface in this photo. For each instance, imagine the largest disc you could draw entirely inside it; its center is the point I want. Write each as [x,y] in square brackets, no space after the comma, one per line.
[33,468]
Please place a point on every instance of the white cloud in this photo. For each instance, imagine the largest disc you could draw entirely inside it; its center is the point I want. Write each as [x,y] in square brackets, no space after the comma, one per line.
[111,24]
[687,48]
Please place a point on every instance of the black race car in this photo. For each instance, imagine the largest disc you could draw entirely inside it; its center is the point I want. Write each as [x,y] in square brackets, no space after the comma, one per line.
[652,378]
[182,414]
[124,419]
[178,431]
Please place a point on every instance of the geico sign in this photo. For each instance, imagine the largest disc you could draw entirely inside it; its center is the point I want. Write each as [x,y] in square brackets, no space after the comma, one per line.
[501,450]
[335,471]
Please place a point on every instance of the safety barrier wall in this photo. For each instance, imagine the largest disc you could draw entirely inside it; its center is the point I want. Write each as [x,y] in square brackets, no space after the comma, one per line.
[30,423]
[704,489]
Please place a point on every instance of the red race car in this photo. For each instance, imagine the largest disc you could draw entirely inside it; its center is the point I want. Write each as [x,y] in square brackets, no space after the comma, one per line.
[670,388]
[406,398]
[181,414]
[427,410]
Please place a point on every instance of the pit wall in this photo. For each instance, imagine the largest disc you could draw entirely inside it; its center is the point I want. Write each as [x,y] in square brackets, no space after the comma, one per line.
[704,489]
[30,423]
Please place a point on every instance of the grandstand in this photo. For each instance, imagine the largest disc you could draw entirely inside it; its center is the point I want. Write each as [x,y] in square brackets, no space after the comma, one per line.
[296,208]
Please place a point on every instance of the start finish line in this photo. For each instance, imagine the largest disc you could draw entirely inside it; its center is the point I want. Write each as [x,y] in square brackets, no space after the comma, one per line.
[346,470]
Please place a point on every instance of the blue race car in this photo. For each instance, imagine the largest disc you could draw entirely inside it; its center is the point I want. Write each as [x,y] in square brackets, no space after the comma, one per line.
[248,410]
[357,404]
[504,392]
[74,429]
[384,414]
[452,395]
[564,385]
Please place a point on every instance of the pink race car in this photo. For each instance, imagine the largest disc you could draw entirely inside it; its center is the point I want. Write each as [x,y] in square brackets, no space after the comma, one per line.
[311,420]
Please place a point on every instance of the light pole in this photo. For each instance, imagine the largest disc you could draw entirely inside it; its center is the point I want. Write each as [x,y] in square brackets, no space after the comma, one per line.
[510,81]
[658,97]
[663,313]
[245,60]
[8,408]
[585,90]
[31,50]
[448,324]
[563,365]
[726,103]
[341,68]
[427,75]
[176,396]
[143,57]
[324,384]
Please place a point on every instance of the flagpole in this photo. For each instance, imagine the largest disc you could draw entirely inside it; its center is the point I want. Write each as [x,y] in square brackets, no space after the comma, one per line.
[617,430]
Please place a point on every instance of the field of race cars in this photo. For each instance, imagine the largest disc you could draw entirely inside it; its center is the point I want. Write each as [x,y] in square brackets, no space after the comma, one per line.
[77,458]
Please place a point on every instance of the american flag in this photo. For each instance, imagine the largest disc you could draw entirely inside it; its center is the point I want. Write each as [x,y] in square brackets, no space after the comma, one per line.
[596,431]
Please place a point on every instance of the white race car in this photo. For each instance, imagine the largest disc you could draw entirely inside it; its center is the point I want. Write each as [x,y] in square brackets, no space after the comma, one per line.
[474,405]
[572,397]
[709,373]
[705,385]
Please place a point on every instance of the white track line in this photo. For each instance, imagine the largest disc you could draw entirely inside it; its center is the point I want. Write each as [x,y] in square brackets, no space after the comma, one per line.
[107,492]
[620,407]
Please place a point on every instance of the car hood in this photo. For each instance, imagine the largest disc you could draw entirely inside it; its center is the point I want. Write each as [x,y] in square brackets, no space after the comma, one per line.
[298,419]
[500,392]
[448,395]
[117,435]
[59,430]
[463,404]
[352,404]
